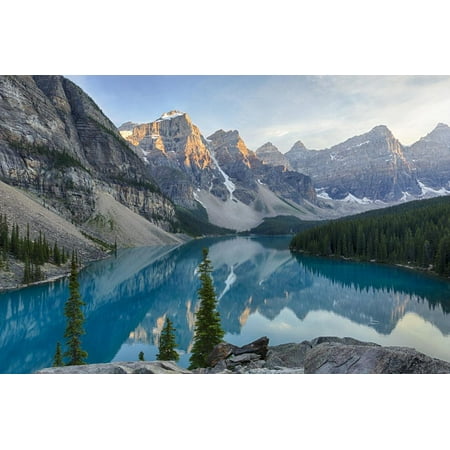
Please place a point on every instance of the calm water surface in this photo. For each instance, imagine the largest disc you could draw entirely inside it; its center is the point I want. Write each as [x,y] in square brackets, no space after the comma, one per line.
[262,290]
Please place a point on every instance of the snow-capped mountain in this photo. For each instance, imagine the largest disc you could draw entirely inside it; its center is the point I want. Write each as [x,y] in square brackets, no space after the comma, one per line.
[369,167]
[234,186]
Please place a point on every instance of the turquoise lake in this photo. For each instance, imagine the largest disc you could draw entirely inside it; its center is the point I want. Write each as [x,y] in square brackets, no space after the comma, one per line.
[263,290]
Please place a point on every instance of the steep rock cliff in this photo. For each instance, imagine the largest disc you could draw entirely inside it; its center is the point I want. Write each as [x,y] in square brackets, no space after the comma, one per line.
[56,142]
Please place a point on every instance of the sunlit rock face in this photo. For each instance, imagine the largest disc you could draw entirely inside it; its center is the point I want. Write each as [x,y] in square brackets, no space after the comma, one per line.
[178,157]
[184,162]
[371,166]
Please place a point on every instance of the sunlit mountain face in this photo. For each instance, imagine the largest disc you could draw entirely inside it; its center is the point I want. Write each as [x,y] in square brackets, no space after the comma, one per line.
[262,289]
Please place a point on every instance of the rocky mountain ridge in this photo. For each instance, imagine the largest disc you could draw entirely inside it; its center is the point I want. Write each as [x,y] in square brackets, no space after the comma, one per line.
[371,166]
[220,173]
[376,167]
[57,144]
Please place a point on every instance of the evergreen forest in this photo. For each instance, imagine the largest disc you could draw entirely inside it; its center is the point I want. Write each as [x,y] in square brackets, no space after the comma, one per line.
[415,234]
[32,252]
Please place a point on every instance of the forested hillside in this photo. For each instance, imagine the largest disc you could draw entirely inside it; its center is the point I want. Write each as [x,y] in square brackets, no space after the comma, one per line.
[32,252]
[416,233]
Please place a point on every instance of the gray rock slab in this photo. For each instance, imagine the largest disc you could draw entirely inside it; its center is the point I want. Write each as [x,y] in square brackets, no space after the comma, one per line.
[141,367]
[330,357]
[287,355]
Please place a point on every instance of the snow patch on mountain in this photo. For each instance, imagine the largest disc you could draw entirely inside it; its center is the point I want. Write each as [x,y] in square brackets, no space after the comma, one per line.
[350,198]
[322,193]
[430,191]
[406,197]
[170,115]
[228,183]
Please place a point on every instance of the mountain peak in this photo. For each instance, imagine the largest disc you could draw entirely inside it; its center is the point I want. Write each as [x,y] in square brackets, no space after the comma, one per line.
[269,154]
[381,130]
[268,146]
[298,146]
[171,114]
[439,135]
[222,135]
[127,126]
[174,114]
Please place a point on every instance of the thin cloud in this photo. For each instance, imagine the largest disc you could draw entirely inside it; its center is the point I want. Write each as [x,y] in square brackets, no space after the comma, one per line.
[321,111]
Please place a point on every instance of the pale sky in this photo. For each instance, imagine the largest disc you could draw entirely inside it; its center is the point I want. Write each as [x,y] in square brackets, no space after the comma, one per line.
[321,111]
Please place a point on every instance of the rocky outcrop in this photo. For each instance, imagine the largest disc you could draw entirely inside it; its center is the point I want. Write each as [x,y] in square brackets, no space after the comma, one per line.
[371,166]
[141,367]
[56,143]
[326,354]
[360,357]
[177,156]
[247,171]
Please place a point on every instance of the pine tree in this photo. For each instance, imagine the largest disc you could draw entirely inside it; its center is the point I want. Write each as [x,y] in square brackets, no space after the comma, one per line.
[75,320]
[27,276]
[208,330]
[56,255]
[57,360]
[167,343]
[141,356]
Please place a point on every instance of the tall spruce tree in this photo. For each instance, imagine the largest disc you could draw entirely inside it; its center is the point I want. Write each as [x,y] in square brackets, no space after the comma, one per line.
[75,320]
[208,329]
[167,343]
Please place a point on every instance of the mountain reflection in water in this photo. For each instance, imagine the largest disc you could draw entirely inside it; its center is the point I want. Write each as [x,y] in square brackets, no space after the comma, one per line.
[263,290]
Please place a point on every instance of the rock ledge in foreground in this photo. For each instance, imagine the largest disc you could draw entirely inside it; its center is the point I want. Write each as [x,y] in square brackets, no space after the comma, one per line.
[137,367]
[322,355]
[336,357]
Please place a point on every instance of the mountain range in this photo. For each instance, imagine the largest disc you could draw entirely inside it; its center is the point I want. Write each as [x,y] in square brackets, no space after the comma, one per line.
[375,166]
[136,184]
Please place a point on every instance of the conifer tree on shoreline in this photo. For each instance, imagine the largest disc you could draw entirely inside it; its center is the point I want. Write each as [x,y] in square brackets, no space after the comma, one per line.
[208,329]
[75,320]
[167,343]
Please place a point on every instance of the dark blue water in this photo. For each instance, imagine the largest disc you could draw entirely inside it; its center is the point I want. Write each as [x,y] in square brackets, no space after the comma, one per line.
[263,290]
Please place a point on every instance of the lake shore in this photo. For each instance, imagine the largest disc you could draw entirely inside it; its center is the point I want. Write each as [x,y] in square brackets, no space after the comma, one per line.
[424,271]
[322,355]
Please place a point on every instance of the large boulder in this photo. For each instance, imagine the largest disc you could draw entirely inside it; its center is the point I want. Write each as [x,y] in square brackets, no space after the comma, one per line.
[228,358]
[337,357]
[220,352]
[259,347]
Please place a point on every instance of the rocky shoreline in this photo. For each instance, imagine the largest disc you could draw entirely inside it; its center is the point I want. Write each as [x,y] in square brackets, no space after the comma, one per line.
[322,355]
